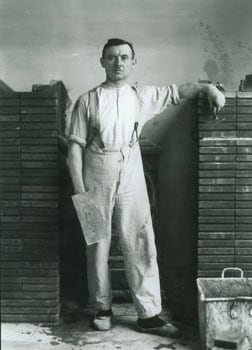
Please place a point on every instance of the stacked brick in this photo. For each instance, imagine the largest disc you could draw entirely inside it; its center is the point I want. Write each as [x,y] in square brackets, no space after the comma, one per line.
[29,207]
[225,186]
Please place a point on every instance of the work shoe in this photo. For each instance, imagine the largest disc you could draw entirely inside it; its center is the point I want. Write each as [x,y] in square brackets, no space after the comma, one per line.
[155,325]
[102,320]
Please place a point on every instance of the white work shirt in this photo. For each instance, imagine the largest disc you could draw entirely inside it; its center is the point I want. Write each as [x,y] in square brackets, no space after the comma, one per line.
[117,111]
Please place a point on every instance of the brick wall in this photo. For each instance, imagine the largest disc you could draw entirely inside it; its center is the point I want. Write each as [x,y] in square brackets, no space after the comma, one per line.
[29,207]
[225,186]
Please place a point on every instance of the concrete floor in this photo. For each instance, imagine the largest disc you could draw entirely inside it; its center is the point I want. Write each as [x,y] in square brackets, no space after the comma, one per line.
[73,332]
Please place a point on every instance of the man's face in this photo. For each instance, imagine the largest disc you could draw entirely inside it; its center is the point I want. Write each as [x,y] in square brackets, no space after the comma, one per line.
[118,62]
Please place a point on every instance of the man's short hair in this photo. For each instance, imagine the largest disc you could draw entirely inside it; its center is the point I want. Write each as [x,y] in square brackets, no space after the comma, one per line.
[117,42]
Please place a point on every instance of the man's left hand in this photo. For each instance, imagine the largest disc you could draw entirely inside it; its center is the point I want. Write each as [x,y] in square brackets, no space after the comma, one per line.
[216,99]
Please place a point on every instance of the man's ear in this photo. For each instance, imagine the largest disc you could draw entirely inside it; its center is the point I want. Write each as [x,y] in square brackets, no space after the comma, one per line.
[134,62]
[102,62]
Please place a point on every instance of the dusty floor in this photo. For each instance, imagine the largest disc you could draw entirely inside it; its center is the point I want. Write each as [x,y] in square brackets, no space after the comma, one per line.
[73,332]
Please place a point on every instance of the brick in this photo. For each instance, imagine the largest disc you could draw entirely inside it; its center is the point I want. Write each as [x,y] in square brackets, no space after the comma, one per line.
[214,266]
[244,117]
[209,273]
[11,288]
[216,235]
[39,203]
[38,133]
[216,258]
[9,110]
[39,126]
[243,259]
[244,227]
[243,196]
[244,109]
[37,110]
[216,126]
[217,181]
[39,143]
[39,156]
[244,212]
[9,101]
[243,181]
[217,158]
[217,212]
[38,118]
[38,102]
[243,173]
[9,149]
[10,180]
[9,134]
[41,94]
[48,319]
[246,133]
[217,166]
[243,189]
[220,188]
[216,219]
[216,227]
[218,134]
[45,180]
[27,303]
[29,310]
[39,172]
[217,204]
[9,126]
[244,235]
[217,142]
[216,251]
[9,118]
[244,158]
[243,243]
[216,173]
[244,220]
[244,126]
[243,166]
[243,251]
[215,243]
[39,164]
[217,150]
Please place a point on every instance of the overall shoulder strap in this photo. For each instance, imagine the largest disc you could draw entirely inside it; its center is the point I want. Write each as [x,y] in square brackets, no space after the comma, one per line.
[92,97]
[93,129]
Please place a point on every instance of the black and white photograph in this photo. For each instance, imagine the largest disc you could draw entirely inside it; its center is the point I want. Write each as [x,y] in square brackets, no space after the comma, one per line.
[126,174]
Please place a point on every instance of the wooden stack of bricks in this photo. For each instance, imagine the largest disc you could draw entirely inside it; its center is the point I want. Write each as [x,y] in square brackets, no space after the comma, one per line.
[29,207]
[225,186]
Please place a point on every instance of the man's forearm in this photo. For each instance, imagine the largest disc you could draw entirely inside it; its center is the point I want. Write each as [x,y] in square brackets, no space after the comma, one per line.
[191,90]
[215,97]
[75,165]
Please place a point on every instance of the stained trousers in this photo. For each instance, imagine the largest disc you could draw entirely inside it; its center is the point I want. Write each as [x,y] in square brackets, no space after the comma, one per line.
[116,178]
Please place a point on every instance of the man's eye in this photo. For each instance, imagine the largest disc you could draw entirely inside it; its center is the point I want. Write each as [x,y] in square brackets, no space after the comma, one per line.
[124,58]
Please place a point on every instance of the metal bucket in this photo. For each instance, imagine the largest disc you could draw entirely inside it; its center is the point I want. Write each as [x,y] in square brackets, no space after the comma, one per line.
[224,304]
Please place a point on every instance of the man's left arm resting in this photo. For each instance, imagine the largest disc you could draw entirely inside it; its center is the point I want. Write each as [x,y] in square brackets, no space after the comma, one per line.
[191,90]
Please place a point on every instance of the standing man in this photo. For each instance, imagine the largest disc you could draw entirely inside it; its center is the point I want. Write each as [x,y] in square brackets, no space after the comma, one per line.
[106,169]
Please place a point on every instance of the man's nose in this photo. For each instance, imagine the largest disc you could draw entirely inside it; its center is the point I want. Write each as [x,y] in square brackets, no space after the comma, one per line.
[118,61]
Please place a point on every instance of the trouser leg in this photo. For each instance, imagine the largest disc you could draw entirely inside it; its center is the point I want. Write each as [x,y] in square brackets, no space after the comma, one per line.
[134,224]
[99,283]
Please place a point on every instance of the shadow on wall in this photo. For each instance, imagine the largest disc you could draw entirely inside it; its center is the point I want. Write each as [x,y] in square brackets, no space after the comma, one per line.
[178,210]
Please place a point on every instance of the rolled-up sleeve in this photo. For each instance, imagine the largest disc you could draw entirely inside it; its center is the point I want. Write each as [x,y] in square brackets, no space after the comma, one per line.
[155,100]
[78,131]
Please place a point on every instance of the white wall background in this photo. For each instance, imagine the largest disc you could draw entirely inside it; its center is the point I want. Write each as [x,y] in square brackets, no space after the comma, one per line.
[175,40]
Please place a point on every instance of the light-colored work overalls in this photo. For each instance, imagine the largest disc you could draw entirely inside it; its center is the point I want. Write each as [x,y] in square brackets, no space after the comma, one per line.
[115,179]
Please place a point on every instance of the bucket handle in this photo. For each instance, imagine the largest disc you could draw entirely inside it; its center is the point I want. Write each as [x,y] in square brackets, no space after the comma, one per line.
[231,269]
